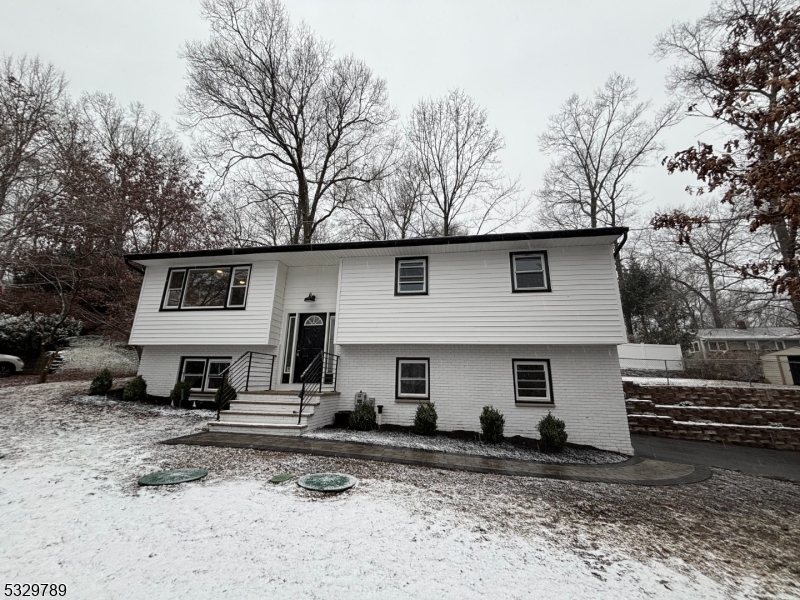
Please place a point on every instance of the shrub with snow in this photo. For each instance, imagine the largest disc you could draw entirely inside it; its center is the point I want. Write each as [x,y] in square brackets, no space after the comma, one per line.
[492,425]
[101,384]
[425,419]
[136,390]
[552,432]
[363,418]
[22,334]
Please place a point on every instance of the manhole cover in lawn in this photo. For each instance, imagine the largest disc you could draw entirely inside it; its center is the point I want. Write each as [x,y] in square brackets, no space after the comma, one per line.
[172,477]
[327,482]
[281,478]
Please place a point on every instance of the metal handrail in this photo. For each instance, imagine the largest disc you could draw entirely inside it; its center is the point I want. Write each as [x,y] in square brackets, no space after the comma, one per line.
[250,371]
[321,371]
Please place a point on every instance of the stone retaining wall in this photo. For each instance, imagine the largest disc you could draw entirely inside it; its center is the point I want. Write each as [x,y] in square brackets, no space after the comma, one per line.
[751,416]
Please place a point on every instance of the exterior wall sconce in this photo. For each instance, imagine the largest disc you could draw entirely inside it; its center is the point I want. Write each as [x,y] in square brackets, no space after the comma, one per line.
[310,298]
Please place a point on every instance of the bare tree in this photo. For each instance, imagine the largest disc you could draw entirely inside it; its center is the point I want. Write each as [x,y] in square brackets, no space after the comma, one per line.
[455,156]
[264,91]
[598,143]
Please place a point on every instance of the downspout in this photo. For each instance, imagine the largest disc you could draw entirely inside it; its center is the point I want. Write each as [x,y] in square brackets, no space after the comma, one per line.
[618,248]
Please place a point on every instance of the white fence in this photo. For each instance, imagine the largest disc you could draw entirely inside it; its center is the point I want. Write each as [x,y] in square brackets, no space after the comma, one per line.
[656,357]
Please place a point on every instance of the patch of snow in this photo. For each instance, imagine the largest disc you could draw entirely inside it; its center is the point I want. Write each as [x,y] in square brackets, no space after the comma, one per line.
[645,381]
[443,443]
[713,424]
[95,353]
[71,512]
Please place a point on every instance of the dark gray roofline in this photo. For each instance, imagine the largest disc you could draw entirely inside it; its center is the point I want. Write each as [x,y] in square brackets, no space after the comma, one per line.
[408,243]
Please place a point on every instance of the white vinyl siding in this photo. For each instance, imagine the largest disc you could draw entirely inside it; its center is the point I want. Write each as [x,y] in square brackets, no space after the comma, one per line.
[241,326]
[470,301]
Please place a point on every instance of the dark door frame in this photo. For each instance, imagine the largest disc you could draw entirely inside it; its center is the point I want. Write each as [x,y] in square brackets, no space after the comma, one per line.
[300,362]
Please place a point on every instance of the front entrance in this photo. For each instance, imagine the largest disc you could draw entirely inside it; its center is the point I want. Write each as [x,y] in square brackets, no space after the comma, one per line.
[310,341]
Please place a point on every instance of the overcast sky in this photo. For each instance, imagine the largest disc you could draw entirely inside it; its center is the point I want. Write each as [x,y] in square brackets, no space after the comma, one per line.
[519,59]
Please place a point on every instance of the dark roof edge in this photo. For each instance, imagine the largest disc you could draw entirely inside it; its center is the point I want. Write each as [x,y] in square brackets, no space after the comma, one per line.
[407,243]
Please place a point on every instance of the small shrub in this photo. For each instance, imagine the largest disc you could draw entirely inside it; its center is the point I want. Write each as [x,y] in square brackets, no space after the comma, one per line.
[180,393]
[101,384]
[552,432]
[363,418]
[492,424]
[425,419]
[136,390]
[224,395]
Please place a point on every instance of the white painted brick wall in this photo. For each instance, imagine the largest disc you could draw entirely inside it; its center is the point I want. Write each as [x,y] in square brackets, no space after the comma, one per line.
[587,388]
[160,364]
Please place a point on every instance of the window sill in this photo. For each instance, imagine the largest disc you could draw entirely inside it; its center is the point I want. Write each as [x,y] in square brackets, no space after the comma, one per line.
[532,403]
[413,400]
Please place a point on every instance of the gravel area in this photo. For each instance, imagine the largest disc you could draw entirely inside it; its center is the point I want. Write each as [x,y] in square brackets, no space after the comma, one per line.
[442,443]
[71,512]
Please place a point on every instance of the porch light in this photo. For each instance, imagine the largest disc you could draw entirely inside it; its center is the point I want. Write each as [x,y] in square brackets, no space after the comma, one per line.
[310,298]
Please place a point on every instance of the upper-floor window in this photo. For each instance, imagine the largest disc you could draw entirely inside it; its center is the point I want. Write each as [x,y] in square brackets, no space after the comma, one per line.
[411,276]
[206,287]
[529,272]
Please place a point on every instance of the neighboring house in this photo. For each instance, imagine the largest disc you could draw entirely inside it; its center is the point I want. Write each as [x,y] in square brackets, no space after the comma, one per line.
[782,367]
[526,322]
[742,339]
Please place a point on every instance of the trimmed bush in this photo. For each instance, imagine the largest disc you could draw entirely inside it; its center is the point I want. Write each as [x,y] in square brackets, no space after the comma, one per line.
[492,424]
[224,395]
[425,419]
[552,432]
[363,418]
[136,390]
[180,393]
[101,384]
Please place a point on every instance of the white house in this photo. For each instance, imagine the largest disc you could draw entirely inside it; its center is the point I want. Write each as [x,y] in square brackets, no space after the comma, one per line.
[526,322]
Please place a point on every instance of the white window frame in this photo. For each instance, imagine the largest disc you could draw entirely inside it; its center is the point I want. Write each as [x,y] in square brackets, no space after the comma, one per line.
[399,395]
[695,347]
[753,345]
[547,378]
[399,263]
[206,360]
[235,285]
[721,345]
[165,300]
[545,271]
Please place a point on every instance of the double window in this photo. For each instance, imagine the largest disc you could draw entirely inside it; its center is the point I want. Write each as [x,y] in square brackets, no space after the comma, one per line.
[411,276]
[206,288]
[529,272]
[532,381]
[717,346]
[205,374]
[413,378]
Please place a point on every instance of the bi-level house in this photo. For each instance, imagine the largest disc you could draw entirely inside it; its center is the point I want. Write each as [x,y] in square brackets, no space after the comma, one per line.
[526,322]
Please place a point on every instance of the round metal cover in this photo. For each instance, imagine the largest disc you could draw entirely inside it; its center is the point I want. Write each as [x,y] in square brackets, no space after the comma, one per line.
[281,478]
[327,482]
[172,477]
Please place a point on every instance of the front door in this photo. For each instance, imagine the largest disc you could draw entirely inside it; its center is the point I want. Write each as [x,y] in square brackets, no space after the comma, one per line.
[794,368]
[310,341]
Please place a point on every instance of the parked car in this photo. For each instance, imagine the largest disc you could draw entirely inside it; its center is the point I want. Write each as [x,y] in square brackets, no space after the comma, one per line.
[9,365]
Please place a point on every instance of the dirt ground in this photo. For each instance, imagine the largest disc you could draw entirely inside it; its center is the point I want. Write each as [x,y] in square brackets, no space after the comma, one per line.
[731,536]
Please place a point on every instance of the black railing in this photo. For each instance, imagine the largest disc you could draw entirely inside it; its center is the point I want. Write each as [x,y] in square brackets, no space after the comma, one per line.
[321,373]
[252,371]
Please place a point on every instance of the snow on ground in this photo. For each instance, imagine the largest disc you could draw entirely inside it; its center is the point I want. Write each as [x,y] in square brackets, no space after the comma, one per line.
[446,444]
[702,382]
[95,353]
[71,512]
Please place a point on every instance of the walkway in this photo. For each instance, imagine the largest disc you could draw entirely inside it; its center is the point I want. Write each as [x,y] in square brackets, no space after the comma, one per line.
[636,471]
[782,464]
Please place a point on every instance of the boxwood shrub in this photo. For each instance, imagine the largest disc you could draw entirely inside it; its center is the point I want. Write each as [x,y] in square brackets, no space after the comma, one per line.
[180,393]
[492,424]
[101,384]
[552,432]
[136,390]
[363,418]
[425,419]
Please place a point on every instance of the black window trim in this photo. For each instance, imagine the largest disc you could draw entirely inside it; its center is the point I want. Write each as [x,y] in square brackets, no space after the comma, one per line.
[397,395]
[207,359]
[549,375]
[180,306]
[543,254]
[397,261]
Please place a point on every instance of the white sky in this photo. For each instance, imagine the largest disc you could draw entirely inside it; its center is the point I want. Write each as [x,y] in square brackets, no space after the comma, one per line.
[519,59]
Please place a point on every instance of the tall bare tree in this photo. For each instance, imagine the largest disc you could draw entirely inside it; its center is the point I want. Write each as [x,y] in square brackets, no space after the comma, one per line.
[456,157]
[598,143]
[263,90]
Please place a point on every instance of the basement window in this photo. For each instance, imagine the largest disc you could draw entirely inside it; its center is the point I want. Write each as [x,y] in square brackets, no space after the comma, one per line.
[204,373]
[532,381]
[413,378]
[207,288]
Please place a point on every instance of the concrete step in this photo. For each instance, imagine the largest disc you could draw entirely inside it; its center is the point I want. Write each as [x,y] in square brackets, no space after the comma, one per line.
[281,408]
[257,417]
[262,428]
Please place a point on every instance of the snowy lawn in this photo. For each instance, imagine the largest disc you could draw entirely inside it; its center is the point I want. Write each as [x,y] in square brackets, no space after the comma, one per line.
[445,444]
[71,512]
